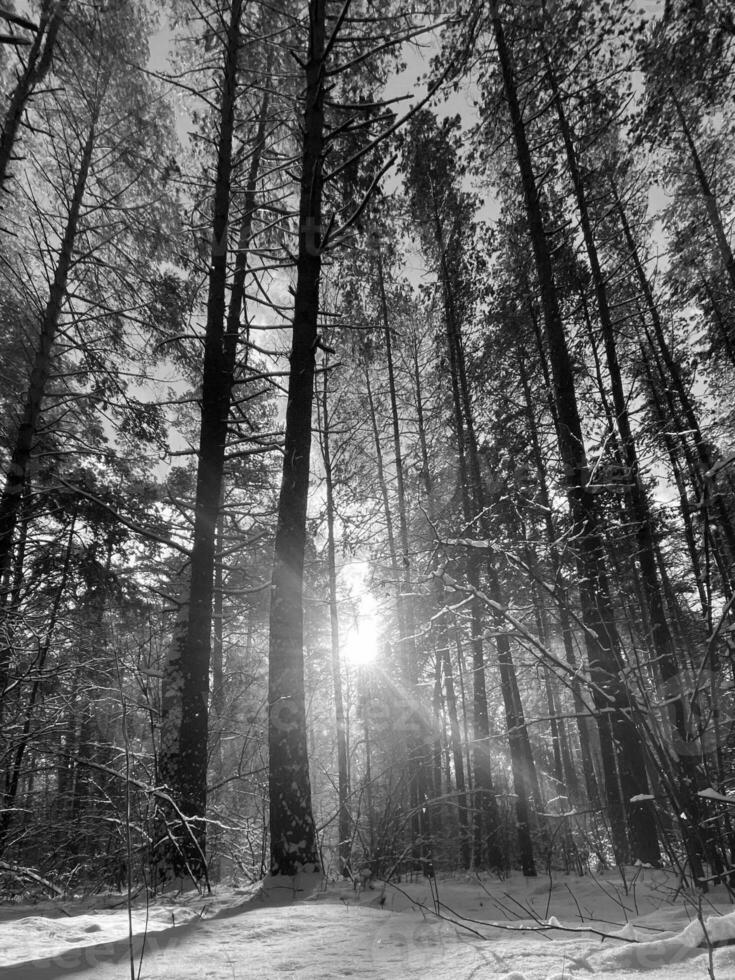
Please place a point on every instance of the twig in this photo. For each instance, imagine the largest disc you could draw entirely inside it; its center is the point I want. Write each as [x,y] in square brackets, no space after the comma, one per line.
[710,955]
[31,875]
[540,927]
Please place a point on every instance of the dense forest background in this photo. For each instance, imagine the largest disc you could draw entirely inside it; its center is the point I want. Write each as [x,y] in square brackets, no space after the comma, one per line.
[366,437]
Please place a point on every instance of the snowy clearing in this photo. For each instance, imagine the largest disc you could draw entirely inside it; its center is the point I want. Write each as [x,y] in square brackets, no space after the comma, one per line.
[536,929]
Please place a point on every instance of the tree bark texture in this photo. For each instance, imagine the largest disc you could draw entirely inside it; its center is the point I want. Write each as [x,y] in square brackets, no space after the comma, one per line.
[293,844]
[185,698]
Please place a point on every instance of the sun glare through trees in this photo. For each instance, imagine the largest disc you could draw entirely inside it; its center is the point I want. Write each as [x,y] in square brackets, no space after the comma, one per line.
[367,442]
[361,642]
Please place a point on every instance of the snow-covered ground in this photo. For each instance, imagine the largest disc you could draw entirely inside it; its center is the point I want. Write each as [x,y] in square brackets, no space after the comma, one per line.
[536,929]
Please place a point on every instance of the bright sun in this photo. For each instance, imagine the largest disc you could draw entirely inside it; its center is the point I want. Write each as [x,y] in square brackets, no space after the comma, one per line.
[360,637]
[360,647]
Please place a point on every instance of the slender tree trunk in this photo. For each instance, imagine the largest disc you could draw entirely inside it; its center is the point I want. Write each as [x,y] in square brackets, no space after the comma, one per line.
[703,453]
[525,780]
[94,674]
[435,777]
[409,644]
[564,772]
[11,590]
[442,634]
[230,345]
[343,783]
[292,831]
[15,482]
[404,703]
[585,724]
[249,209]
[601,637]
[217,702]
[664,422]
[710,201]
[673,429]
[387,510]
[487,852]
[545,502]
[13,773]
[365,699]
[380,467]
[10,502]
[720,317]
[417,734]
[652,606]
[24,520]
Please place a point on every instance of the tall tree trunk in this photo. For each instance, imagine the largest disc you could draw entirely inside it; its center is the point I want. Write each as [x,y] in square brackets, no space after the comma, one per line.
[670,441]
[408,642]
[719,315]
[652,607]
[487,852]
[417,735]
[10,502]
[463,700]
[15,482]
[442,634]
[403,705]
[16,756]
[382,482]
[292,831]
[231,348]
[343,780]
[703,453]
[601,638]
[564,773]
[184,724]
[585,723]
[218,701]
[40,55]
[365,705]
[710,201]
[24,519]
[249,209]
[525,780]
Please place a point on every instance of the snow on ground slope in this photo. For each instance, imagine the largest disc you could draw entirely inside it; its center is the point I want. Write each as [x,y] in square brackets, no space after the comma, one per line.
[536,929]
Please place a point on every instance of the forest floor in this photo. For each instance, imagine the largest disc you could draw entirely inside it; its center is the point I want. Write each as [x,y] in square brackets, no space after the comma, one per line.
[516,929]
